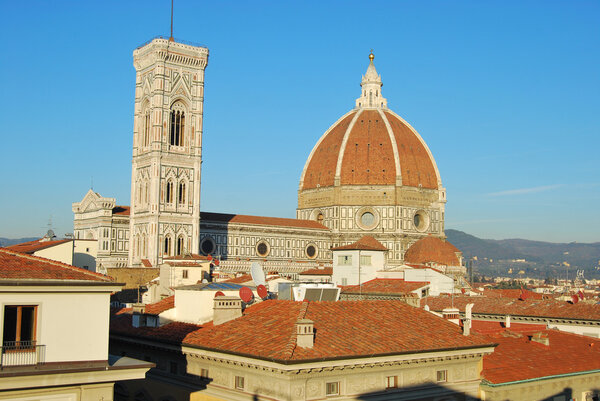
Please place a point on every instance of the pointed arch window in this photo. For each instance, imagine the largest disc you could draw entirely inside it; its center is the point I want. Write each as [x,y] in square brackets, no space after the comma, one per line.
[180,245]
[181,193]
[146,134]
[168,245]
[146,192]
[176,137]
[169,192]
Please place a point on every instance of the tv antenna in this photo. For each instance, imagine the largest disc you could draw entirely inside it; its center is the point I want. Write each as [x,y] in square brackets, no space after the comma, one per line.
[171,37]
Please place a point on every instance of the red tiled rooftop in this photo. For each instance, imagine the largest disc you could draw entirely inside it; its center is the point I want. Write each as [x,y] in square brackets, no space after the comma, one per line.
[161,306]
[432,249]
[121,210]
[35,245]
[492,327]
[385,286]
[344,329]
[517,307]
[366,243]
[327,271]
[244,278]
[19,266]
[518,358]
[146,263]
[173,333]
[261,220]
[511,293]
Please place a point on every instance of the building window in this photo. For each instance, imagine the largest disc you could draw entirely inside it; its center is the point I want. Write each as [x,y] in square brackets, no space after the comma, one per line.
[180,246]
[19,326]
[344,281]
[173,367]
[168,245]
[207,246]
[332,388]
[311,251]
[177,125]
[185,274]
[320,218]
[169,197]
[204,373]
[442,375]
[146,128]
[262,248]
[181,193]
[365,260]
[391,382]
[239,382]
[345,260]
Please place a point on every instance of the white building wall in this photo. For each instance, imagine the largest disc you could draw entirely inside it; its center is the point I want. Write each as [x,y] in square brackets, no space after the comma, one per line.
[356,273]
[72,326]
[60,252]
[85,253]
[439,283]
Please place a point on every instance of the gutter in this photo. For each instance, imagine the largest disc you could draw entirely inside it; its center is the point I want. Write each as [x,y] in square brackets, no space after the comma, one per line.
[485,382]
[337,358]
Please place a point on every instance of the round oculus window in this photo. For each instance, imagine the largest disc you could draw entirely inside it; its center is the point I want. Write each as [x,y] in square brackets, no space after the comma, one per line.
[262,249]
[421,221]
[367,219]
[207,246]
[311,251]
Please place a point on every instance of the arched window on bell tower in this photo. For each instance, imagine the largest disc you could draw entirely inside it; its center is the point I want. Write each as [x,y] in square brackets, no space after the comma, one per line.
[181,193]
[176,136]
[168,245]
[146,133]
[180,245]
[169,192]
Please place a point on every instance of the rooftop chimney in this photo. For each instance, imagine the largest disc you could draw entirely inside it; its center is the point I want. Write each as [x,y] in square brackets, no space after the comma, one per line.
[507,322]
[452,315]
[467,321]
[226,309]
[541,338]
[305,336]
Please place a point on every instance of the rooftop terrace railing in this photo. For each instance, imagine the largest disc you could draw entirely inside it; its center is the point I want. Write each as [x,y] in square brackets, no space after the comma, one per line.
[22,353]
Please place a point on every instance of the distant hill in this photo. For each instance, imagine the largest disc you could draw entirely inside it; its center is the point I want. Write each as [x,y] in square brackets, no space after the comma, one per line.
[541,258]
[11,241]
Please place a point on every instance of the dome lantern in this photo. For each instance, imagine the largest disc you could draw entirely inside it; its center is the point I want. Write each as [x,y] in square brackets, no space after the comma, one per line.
[371,96]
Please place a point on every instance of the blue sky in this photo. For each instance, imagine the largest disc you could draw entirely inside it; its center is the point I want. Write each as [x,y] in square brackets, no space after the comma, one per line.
[506,95]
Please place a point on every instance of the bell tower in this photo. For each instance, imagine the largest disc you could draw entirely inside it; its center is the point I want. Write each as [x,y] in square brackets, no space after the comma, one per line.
[167,150]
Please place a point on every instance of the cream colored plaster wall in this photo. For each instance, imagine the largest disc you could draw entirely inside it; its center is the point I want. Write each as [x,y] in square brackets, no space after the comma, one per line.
[90,392]
[61,253]
[357,272]
[85,253]
[558,389]
[354,382]
[196,306]
[71,326]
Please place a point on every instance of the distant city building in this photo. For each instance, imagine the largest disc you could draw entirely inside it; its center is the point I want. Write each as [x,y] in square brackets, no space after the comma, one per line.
[370,173]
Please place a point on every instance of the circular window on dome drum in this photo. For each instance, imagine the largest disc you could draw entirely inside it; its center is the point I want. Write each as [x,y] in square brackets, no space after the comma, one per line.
[421,220]
[311,251]
[367,218]
[262,248]
[207,246]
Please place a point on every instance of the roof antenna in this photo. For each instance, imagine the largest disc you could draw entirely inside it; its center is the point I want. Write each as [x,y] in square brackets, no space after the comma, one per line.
[171,37]
[92,183]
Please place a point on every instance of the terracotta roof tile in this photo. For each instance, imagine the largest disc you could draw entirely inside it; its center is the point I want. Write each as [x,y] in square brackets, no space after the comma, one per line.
[121,210]
[35,245]
[244,278]
[19,266]
[161,306]
[516,307]
[261,220]
[432,249]
[385,286]
[511,293]
[518,358]
[327,271]
[146,263]
[343,329]
[366,243]
[172,333]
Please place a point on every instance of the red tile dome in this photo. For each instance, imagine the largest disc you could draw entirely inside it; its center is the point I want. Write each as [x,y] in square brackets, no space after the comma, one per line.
[432,249]
[370,146]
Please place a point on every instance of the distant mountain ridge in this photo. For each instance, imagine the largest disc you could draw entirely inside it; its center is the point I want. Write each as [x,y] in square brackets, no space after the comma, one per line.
[538,254]
[4,242]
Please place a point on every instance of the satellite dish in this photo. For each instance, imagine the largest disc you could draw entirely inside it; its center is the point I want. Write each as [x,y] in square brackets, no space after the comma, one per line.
[246,294]
[204,281]
[219,294]
[50,234]
[262,291]
[257,273]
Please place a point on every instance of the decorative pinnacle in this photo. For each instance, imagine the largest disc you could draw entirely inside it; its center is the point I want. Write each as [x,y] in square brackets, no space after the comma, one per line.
[371,56]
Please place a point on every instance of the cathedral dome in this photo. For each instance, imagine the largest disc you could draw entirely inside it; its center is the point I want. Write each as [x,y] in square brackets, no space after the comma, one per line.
[370,145]
[433,250]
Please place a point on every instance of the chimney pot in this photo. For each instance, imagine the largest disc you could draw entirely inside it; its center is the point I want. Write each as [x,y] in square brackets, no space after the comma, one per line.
[226,309]
[305,336]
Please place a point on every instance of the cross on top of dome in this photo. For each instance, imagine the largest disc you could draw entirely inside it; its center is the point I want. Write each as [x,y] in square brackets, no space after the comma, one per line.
[371,84]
